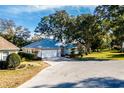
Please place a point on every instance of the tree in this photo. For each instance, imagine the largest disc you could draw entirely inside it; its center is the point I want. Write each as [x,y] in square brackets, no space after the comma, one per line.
[112,20]
[18,35]
[53,25]
[6,26]
[21,36]
[85,33]
[44,27]
[58,22]
[69,29]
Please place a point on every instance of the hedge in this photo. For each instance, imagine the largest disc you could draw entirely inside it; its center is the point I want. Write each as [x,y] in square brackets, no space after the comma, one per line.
[28,56]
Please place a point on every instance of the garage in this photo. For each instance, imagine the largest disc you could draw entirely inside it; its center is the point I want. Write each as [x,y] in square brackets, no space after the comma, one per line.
[47,48]
[50,53]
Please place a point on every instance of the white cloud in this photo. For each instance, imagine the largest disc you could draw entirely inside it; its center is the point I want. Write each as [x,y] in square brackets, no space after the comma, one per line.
[30,9]
[15,10]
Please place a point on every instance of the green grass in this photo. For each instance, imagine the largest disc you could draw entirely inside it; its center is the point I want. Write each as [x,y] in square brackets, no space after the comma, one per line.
[105,55]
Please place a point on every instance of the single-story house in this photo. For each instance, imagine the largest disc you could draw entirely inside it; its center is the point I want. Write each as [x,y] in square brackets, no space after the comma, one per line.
[68,48]
[44,48]
[6,48]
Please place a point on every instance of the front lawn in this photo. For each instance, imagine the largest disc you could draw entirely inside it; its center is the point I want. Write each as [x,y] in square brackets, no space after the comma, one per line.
[14,78]
[105,55]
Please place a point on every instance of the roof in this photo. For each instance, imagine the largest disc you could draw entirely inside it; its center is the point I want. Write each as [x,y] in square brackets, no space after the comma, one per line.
[70,45]
[44,44]
[6,45]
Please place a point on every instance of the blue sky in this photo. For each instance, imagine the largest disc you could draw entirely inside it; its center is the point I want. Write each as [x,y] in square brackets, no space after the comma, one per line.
[29,16]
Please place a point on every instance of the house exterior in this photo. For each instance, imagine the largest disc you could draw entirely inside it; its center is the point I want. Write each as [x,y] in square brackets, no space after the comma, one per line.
[45,48]
[6,48]
[68,48]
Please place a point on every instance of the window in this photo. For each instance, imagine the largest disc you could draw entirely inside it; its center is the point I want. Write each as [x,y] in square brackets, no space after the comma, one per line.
[5,54]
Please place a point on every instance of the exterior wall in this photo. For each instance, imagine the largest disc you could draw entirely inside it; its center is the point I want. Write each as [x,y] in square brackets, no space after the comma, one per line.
[30,50]
[67,51]
[43,53]
[5,53]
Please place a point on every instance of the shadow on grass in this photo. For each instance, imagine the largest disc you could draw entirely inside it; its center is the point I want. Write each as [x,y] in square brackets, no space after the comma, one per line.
[105,82]
[91,59]
[117,56]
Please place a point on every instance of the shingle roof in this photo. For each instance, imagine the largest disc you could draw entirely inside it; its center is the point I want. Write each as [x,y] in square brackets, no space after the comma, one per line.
[44,44]
[6,45]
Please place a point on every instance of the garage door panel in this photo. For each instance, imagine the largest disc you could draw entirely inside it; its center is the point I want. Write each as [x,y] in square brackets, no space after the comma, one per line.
[49,53]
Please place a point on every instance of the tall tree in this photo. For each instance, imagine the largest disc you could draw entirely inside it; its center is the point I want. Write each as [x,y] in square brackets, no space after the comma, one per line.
[85,33]
[53,25]
[44,27]
[112,20]
[79,29]
[18,35]
[21,36]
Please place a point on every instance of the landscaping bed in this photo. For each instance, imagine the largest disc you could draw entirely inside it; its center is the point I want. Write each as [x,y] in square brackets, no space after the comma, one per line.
[14,78]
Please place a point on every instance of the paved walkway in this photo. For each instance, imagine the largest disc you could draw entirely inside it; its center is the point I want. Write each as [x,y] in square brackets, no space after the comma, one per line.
[69,74]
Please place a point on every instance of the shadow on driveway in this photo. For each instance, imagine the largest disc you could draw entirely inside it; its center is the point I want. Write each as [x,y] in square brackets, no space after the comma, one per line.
[105,82]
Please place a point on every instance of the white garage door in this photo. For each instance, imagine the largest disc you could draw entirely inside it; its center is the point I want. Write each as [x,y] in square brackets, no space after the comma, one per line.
[50,53]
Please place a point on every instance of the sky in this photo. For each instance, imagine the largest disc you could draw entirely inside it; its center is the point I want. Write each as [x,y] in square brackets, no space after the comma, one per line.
[29,16]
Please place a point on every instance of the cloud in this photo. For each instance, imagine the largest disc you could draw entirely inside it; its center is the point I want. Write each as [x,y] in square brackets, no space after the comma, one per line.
[29,9]
[18,9]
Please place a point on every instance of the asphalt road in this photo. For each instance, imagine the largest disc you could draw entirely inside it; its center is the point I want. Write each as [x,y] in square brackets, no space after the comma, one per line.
[83,74]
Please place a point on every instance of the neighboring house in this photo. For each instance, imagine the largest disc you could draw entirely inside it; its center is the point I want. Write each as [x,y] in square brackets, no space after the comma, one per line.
[45,48]
[68,48]
[6,48]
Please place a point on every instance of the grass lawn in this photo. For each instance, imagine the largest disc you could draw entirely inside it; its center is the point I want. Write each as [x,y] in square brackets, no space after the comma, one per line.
[106,55]
[14,78]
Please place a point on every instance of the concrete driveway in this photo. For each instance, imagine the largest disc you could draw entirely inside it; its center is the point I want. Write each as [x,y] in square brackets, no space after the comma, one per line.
[73,74]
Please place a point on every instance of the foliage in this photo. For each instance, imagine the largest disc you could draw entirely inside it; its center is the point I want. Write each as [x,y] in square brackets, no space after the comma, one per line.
[73,51]
[18,35]
[54,24]
[100,30]
[61,25]
[111,18]
[28,56]
[13,60]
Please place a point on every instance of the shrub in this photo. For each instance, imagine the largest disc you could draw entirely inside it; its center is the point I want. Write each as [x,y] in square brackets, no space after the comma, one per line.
[28,56]
[13,60]
[72,51]
[21,66]
[73,55]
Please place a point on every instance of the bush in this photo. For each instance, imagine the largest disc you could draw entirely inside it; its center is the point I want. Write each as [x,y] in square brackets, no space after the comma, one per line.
[13,61]
[73,55]
[72,51]
[21,66]
[28,56]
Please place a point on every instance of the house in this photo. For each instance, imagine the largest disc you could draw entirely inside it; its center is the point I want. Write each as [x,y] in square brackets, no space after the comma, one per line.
[69,48]
[6,48]
[44,48]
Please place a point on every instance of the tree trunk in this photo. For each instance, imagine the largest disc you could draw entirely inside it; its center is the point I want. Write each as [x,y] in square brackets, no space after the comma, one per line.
[122,47]
[88,48]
